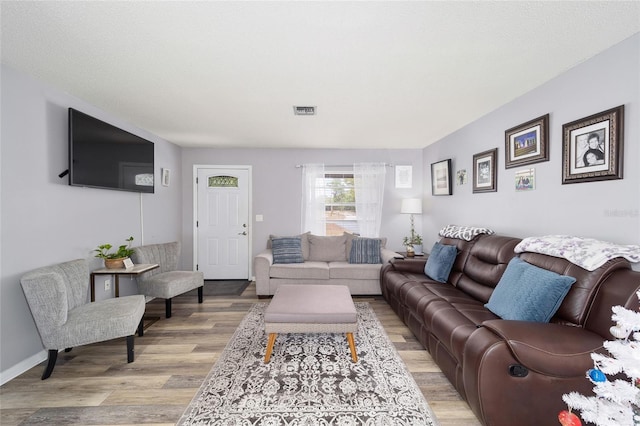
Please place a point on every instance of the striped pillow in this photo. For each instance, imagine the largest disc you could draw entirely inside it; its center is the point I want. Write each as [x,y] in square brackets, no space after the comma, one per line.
[287,250]
[365,250]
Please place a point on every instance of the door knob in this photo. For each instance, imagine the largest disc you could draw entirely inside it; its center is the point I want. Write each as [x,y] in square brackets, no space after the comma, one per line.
[242,233]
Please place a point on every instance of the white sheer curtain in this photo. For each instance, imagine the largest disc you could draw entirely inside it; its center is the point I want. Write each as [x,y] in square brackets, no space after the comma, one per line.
[369,181]
[313,199]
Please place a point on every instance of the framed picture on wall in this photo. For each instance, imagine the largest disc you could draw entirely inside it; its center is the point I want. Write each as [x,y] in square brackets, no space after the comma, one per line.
[592,147]
[527,143]
[461,177]
[525,180]
[484,171]
[441,183]
[404,176]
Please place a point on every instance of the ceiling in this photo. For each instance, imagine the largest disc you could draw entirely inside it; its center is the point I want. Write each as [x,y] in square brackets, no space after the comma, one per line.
[382,74]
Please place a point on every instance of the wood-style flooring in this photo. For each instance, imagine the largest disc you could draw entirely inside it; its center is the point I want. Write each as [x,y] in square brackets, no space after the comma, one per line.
[94,385]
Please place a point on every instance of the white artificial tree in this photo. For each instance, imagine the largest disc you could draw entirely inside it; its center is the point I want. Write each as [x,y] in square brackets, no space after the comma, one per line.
[616,402]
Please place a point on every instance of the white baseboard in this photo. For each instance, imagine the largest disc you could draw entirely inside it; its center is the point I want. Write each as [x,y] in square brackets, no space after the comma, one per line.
[21,367]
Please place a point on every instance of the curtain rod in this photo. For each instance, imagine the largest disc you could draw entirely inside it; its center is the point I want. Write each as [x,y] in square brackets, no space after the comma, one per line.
[342,165]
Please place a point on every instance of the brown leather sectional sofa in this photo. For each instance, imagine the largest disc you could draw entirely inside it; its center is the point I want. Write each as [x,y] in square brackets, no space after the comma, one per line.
[510,372]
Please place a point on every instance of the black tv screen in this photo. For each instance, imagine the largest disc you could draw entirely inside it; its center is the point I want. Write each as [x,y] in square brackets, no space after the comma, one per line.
[104,156]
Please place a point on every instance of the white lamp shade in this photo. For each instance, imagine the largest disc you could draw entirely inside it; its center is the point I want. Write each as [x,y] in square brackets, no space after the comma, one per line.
[411,206]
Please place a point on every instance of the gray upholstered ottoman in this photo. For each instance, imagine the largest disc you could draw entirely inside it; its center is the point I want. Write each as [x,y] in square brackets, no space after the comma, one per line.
[311,309]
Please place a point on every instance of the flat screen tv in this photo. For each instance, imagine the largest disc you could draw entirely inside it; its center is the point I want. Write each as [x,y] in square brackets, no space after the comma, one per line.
[104,156]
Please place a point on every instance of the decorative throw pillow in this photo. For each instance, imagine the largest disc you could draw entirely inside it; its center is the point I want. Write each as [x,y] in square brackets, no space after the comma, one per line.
[466,233]
[440,262]
[350,237]
[327,248]
[287,250]
[528,293]
[365,250]
[304,238]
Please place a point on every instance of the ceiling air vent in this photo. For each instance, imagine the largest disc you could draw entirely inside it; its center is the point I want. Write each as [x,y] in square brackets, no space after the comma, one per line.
[304,110]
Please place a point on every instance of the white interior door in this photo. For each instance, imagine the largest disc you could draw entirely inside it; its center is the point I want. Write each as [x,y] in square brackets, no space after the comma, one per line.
[222,222]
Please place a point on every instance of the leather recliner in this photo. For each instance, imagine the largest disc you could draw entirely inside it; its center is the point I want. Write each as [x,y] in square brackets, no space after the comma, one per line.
[508,370]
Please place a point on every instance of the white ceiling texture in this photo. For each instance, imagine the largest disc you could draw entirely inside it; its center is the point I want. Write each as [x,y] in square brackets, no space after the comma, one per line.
[381,74]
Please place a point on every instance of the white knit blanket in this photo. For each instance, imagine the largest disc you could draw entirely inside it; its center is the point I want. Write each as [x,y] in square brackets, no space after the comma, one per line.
[587,253]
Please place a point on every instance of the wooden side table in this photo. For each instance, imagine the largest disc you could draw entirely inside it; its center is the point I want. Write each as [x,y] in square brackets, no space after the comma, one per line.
[419,256]
[135,270]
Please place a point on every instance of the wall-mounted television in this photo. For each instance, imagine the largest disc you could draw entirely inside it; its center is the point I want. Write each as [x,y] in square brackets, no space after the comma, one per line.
[104,156]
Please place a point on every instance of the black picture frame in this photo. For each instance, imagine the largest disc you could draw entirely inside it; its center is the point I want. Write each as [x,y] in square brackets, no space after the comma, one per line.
[441,182]
[527,143]
[484,171]
[593,147]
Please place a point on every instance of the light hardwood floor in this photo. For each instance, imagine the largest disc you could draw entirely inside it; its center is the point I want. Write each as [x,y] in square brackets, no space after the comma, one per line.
[94,385]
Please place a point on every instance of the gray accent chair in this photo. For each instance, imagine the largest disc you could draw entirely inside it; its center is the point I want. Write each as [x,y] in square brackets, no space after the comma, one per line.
[166,281]
[57,298]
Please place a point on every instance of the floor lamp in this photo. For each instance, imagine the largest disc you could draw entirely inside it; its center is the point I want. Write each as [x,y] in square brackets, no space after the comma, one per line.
[412,206]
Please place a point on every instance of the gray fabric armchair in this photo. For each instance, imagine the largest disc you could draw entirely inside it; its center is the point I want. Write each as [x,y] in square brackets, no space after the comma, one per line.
[166,281]
[57,298]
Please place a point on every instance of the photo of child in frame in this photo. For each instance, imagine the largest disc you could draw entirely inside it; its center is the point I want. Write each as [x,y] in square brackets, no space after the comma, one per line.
[590,149]
[484,172]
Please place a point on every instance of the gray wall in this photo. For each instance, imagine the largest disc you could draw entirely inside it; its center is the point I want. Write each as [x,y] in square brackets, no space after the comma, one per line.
[607,210]
[277,185]
[45,221]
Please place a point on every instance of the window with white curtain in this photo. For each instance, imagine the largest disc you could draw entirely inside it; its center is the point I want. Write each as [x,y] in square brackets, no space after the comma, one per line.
[343,198]
[313,199]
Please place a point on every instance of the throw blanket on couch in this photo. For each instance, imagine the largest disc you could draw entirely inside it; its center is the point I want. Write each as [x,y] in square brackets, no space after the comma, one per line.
[466,233]
[588,253]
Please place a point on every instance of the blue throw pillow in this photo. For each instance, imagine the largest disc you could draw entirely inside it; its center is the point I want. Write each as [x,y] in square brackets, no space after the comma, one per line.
[440,262]
[528,293]
[287,250]
[365,250]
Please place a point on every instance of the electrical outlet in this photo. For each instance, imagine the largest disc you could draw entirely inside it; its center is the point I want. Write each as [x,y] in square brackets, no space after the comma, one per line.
[107,285]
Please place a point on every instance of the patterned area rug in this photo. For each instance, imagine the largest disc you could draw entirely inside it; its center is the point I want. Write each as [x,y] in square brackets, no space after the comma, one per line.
[310,380]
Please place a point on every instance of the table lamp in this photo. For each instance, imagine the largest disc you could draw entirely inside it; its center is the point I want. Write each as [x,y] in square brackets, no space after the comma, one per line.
[411,206]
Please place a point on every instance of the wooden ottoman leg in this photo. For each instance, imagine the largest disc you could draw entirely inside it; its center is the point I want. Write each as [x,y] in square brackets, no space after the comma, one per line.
[352,346]
[270,343]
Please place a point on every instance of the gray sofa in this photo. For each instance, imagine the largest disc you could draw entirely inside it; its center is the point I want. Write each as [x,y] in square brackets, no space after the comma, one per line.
[326,260]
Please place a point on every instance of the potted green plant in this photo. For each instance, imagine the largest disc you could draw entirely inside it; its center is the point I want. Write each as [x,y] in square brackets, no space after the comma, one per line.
[413,243]
[114,260]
